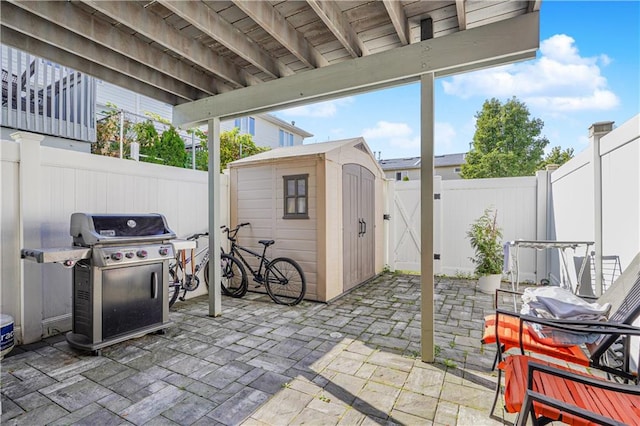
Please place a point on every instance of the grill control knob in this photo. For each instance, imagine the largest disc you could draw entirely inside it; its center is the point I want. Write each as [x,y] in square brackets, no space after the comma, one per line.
[142,253]
[116,256]
[129,255]
[163,251]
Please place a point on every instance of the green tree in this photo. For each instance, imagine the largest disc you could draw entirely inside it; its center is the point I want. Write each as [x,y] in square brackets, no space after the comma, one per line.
[230,143]
[557,156]
[108,133]
[234,146]
[507,142]
[168,149]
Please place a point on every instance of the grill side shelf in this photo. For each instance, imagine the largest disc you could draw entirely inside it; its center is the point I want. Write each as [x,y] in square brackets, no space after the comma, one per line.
[55,254]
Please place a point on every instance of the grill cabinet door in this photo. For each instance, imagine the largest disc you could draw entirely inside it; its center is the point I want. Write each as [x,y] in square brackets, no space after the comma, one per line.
[131,298]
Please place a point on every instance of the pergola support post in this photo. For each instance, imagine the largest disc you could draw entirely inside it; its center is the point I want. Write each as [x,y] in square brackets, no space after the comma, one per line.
[213,144]
[427,121]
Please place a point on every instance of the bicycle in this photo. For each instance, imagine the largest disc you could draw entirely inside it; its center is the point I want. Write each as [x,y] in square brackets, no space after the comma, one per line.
[233,276]
[283,278]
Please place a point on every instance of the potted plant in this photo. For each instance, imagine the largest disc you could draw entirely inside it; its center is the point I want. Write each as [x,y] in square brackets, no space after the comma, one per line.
[485,237]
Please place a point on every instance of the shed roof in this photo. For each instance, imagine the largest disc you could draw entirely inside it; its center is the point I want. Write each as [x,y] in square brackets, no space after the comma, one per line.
[302,150]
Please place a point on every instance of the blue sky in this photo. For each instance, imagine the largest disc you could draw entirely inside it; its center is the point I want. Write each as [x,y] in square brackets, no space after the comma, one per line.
[586,70]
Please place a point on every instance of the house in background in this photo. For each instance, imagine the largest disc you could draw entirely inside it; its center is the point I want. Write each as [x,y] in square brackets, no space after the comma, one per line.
[266,130]
[43,97]
[447,166]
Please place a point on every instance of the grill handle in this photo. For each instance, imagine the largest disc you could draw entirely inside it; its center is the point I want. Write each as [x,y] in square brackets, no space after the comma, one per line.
[154,285]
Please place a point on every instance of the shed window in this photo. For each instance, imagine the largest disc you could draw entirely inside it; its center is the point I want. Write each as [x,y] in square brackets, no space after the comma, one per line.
[296,197]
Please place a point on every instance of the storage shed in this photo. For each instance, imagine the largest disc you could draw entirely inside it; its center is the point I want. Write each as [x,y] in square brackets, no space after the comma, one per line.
[321,203]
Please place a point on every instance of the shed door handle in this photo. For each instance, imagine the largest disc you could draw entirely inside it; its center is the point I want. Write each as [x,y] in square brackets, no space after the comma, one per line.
[154,285]
[364,229]
[360,231]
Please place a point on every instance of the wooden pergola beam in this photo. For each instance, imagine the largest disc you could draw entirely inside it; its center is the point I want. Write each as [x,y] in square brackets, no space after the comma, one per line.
[498,43]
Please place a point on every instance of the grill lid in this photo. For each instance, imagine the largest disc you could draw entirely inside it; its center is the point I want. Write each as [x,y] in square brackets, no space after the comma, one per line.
[88,229]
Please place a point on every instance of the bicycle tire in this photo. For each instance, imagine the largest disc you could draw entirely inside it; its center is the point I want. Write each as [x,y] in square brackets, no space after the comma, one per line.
[285,281]
[206,274]
[233,278]
[174,285]
[174,292]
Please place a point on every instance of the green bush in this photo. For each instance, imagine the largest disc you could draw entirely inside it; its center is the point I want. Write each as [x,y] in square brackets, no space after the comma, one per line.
[485,237]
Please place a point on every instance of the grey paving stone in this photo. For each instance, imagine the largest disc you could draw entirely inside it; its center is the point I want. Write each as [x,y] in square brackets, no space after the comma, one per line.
[238,407]
[73,395]
[270,382]
[30,401]
[109,372]
[114,402]
[102,417]
[251,376]
[153,405]
[274,363]
[191,409]
[9,410]
[40,416]
[25,382]
[79,415]
[132,384]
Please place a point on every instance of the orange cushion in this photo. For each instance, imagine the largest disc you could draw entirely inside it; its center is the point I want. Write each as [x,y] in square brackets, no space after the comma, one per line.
[615,405]
[509,332]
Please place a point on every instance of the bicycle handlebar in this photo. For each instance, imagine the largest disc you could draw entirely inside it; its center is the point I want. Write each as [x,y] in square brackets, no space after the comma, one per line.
[196,236]
[231,233]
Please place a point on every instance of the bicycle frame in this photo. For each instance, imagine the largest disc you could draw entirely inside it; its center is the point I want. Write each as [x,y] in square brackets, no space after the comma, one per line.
[236,249]
[257,274]
[181,264]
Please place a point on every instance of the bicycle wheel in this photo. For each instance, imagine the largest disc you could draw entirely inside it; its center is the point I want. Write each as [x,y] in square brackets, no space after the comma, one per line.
[174,291]
[233,277]
[285,281]
[174,285]
[206,274]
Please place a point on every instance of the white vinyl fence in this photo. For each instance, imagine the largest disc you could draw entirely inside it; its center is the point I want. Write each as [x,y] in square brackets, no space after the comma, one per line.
[42,187]
[558,205]
[457,204]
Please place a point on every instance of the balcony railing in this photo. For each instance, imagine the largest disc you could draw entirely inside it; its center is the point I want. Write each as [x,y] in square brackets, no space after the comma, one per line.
[43,97]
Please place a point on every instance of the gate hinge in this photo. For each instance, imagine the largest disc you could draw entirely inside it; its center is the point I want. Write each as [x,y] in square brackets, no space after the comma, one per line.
[436,256]
[436,196]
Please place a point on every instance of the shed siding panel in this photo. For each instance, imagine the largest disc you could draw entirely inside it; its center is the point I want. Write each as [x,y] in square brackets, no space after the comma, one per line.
[260,201]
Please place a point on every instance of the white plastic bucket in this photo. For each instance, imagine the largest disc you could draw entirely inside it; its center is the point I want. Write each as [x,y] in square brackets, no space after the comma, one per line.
[6,334]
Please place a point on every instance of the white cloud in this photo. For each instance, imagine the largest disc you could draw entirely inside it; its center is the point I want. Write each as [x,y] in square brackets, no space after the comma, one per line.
[321,109]
[401,135]
[398,135]
[385,129]
[560,80]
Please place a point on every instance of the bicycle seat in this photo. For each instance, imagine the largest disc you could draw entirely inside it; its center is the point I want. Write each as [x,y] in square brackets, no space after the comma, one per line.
[266,243]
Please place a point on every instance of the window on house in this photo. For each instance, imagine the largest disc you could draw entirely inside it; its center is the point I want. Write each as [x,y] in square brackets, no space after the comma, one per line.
[401,175]
[285,138]
[246,125]
[457,170]
[296,197]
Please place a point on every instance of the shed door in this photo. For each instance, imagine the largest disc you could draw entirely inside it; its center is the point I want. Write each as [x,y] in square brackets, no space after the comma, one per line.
[358,202]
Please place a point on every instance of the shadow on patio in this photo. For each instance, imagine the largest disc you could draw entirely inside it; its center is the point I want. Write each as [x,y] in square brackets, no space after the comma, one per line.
[354,361]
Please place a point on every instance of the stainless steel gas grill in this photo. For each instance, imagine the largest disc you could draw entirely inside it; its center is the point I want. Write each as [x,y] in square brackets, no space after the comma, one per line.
[120,264]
